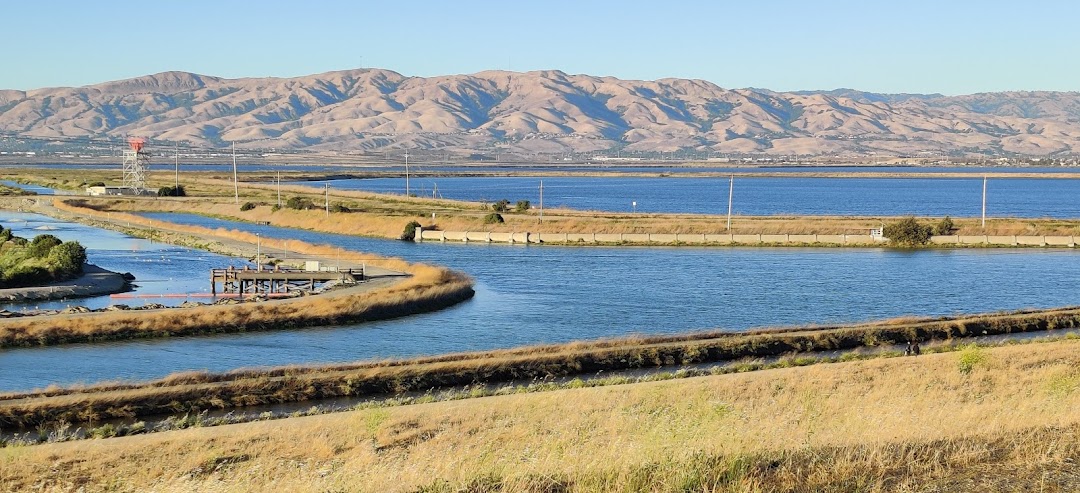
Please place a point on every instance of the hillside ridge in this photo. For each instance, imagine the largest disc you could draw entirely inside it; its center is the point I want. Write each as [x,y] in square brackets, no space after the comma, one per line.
[546,111]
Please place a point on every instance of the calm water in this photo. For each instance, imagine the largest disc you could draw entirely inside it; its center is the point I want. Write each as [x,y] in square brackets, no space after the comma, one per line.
[957,197]
[158,268]
[528,295]
[657,167]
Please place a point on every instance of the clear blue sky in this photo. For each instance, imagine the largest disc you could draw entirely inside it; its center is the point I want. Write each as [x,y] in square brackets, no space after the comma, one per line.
[946,46]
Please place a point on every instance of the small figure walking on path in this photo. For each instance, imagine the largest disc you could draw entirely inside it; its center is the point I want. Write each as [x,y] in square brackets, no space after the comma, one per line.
[915,349]
[907,351]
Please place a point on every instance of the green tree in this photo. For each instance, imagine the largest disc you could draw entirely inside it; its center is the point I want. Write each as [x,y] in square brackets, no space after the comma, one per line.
[177,191]
[945,226]
[41,245]
[500,206]
[299,203]
[522,206]
[908,232]
[67,259]
[410,231]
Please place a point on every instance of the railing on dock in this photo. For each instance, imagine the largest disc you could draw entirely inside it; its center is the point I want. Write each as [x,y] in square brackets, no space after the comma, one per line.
[277,279]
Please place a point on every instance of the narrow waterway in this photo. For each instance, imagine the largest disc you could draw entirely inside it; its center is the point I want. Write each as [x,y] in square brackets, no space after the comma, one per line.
[531,295]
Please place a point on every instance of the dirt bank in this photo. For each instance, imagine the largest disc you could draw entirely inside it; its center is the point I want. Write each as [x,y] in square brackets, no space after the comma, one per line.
[94,281]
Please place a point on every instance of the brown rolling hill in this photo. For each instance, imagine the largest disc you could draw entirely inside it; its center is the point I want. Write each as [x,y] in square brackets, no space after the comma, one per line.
[546,111]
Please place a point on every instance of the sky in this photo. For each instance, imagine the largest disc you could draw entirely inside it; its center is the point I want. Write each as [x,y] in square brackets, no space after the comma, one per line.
[943,46]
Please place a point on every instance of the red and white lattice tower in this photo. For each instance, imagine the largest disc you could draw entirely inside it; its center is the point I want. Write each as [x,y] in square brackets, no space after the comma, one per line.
[136,165]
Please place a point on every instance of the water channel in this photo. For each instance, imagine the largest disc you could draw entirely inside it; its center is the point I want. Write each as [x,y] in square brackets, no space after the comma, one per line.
[533,294]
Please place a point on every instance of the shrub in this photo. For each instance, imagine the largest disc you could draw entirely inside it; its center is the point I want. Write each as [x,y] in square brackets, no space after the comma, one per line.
[339,208]
[275,208]
[26,275]
[522,206]
[247,206]
[410,231]
[907,232]
[96,184]
[67,259]
[42,244]
[493,218]
[945,227]
[500,206]
[299,203]
[177,191]
[971,356]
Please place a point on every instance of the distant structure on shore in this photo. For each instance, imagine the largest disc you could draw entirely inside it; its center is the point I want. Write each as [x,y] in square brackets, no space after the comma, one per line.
[136,165]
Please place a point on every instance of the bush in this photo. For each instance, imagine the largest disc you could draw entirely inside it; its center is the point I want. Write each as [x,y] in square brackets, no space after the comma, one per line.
[67,259]
[300,203]
[410,231]
[247,206]
[945,227]
[493,218]
[42,244]
[177,191]
[26,275]
[522,206]
[275,208]
[96,184]
[339,208]
[500,206]
[907,232]
[971,356]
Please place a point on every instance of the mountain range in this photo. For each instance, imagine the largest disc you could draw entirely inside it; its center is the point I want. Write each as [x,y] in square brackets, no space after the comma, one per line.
[370,110]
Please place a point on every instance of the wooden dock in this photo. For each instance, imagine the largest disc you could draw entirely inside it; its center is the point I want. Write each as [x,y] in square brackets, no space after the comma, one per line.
[278,280]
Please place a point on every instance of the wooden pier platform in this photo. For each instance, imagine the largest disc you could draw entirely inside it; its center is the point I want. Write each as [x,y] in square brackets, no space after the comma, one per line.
[278,280]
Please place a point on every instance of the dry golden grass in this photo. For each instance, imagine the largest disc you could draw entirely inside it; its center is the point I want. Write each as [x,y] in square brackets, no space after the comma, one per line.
[193,392]
[1011,423]
[385,215]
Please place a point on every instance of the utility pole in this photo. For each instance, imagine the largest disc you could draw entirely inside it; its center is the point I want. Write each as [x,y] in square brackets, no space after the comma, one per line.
[406,172]
[235,182]
[279,189]
[176,164]
[984,203]
[258,252]
[731,189]
[327,187]
[541,200]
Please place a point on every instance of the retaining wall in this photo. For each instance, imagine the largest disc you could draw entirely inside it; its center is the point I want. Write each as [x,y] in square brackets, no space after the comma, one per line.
[729,239]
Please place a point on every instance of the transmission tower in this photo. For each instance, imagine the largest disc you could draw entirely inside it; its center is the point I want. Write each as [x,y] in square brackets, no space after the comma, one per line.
[136,165]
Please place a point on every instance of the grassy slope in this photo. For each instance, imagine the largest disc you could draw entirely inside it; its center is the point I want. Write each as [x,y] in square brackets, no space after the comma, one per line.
[901,424]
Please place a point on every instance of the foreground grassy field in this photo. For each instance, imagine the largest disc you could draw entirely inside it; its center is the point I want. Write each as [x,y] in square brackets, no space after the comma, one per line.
[1001,419]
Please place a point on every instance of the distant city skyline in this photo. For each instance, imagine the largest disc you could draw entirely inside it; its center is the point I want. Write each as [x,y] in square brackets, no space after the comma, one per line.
[920,47]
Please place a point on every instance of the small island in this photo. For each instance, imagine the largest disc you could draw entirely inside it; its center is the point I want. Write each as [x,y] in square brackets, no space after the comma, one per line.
[48,268]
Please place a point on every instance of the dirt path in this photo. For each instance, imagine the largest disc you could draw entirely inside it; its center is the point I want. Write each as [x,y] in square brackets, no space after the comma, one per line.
[93,282]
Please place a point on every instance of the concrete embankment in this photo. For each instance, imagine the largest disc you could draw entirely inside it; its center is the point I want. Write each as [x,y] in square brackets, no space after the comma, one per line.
[94,281]
[734,239]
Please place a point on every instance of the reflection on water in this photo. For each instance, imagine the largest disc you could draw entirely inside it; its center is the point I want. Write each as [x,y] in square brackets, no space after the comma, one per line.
[530,294]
